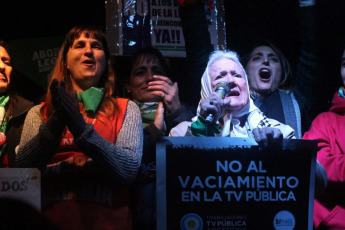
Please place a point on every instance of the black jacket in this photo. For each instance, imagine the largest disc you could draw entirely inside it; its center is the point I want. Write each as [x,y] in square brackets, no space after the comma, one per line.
[14,127]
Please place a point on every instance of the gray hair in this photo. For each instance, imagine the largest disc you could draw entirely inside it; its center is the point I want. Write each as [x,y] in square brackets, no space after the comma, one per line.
[206,88]
[232,55]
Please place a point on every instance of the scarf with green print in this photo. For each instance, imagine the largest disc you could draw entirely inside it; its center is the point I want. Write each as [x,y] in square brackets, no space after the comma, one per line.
[3,121]
[148,111]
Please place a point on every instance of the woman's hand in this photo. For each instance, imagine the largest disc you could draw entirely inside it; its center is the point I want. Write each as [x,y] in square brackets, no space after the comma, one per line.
[268,136]
[55,88]
[168,91]
[159,118]
[214,105]
[66,107]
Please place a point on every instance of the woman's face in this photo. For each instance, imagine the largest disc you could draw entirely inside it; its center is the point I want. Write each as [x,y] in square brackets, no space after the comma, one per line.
[264,70]
[5,70]
[342,69]
[227,70]
[141,74]
[86,61]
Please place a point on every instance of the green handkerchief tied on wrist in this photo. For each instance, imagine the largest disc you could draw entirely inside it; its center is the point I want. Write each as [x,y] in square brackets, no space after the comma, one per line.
[3,122]
[198,128]
[148,111]
[91,99]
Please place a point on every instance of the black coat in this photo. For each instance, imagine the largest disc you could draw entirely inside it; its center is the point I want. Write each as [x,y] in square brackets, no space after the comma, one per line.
[15,126]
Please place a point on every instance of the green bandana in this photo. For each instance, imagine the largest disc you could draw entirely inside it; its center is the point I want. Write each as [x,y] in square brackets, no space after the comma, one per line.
[91,99]
[148,111]
[198,128]
[3,121]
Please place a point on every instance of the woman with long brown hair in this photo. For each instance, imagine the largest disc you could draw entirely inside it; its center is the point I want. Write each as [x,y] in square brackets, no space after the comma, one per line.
[87,143]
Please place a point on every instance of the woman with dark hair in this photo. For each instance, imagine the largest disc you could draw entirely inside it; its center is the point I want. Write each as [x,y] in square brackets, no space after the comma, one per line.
[270,81]
[282,82]
[150,85]
[87,143]
[13,109]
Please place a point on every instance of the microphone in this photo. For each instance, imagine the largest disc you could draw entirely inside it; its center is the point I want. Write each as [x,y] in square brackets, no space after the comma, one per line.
[223,90]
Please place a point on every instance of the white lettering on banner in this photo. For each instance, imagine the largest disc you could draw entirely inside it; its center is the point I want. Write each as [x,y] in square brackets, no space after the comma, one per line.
[236,166]
[167,23]
[14,186]
[257,196]
[226,223]
[233,166]
[165,36]
[270,196]
[48,53]
[21,183]
[165,13]
[164,3]
[46,62]
[237,195]
[252,167]
[189,196]
[45,59]
[259,182]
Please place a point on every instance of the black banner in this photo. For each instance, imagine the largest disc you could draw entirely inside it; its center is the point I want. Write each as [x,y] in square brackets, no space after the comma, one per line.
[231,183]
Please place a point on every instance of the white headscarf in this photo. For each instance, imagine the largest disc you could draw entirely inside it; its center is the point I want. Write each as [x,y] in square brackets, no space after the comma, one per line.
[206,90]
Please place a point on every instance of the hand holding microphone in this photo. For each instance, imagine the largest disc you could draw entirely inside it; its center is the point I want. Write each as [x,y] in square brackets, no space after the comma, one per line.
[223,89]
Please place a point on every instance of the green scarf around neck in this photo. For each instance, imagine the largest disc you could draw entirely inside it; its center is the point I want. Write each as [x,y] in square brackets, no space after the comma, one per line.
[91,99]
[3,101]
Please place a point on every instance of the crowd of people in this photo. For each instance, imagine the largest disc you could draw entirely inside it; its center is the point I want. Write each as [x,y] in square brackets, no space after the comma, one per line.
[100,148]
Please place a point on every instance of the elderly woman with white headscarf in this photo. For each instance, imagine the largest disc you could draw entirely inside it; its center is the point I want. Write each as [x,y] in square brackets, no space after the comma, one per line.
[233,113]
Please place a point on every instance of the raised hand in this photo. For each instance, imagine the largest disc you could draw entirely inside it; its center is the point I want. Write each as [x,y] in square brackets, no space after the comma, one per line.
[214,105]
[66,107]
[168,91]
[55,88]
[159,118]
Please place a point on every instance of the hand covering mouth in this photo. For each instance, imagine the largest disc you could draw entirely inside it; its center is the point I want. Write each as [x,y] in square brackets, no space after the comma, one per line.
[265,74]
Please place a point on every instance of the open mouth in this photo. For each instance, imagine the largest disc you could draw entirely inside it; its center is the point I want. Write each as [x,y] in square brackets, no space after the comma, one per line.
[89,62]
[265,74]
[234,93]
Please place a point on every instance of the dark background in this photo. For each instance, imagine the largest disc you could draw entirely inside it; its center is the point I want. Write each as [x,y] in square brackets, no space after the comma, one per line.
[276,20]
